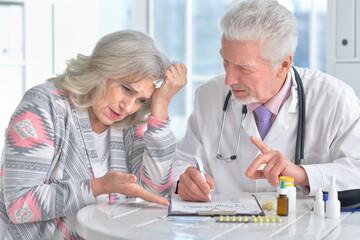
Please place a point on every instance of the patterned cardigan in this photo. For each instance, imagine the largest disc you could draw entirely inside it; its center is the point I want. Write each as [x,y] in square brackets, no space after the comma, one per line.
[46,171]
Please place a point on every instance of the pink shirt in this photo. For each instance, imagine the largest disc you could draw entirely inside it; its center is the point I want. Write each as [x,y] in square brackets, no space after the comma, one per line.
[275,103]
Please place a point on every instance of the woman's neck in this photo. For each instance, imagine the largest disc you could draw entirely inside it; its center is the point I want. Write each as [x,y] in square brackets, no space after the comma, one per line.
[96,125]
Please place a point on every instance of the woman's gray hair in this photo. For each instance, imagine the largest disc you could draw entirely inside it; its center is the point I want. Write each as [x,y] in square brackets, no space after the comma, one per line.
[265,21]
[127,54]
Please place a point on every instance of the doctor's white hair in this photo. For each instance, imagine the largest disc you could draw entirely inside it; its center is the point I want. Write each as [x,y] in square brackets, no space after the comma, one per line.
[128,55]
[265,21]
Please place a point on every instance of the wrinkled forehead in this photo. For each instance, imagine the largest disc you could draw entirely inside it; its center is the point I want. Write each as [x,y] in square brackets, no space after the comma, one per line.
[144,87]
[241,53]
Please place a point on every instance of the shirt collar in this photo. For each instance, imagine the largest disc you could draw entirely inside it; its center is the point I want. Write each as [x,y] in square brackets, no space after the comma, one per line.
[275,103]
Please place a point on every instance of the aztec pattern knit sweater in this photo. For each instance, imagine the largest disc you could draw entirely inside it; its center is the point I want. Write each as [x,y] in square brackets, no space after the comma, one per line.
[46,164]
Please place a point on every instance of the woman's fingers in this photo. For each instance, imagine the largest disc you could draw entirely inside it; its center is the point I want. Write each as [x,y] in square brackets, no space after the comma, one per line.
[126,184]
[137,191]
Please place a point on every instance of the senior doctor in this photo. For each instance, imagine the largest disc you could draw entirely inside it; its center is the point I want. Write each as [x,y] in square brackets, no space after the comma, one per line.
[257,46]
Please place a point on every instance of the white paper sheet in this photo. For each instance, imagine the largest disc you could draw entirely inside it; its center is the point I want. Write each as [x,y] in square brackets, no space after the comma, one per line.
[239,203]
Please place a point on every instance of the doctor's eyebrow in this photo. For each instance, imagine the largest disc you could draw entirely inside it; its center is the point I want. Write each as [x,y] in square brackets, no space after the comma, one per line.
[235,63]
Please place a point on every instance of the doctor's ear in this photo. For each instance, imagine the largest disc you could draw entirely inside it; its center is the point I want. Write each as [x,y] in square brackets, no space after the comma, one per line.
[285,67]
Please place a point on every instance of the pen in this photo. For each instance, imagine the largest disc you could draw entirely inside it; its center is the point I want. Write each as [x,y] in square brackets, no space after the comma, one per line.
[200,167]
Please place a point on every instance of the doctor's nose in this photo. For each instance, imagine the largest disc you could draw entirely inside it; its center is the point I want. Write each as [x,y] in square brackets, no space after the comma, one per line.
[231,76]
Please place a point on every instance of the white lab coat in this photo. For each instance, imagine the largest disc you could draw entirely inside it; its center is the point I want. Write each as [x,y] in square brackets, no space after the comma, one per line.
[332,138]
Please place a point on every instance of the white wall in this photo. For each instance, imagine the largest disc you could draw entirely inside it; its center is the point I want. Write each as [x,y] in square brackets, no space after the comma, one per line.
[11,62]
[343,41]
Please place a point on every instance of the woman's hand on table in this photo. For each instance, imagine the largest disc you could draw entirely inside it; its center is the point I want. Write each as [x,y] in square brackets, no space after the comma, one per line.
[117,182]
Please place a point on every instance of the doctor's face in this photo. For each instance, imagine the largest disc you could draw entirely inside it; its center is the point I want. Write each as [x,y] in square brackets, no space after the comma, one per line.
[249,76]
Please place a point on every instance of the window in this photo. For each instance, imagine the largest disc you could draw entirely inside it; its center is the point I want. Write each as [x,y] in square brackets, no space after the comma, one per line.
[188,32]
[311,17]
[100,18]
[12,65]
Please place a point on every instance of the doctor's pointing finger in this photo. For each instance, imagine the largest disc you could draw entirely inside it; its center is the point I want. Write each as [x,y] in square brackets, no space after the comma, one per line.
[276,165]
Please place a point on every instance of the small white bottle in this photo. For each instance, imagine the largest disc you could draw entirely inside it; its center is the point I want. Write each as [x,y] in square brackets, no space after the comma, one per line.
[291,191]
[319,203]
[333,203]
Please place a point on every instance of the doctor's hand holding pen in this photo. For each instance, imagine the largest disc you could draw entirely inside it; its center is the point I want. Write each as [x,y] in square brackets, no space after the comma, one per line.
[276,165]
[192,186]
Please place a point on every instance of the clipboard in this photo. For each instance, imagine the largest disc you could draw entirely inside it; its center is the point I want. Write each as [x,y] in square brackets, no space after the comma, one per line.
[234,204]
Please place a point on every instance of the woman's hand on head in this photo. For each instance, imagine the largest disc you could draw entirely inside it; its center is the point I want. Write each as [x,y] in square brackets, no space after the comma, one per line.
[174,80]
[117,182]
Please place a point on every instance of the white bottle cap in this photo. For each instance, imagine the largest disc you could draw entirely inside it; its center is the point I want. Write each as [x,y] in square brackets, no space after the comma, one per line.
[333,204]
[333,194]
[282,190]
[319,195]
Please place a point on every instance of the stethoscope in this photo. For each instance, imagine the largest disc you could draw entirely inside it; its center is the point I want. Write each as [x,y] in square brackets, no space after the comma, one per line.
[299,148]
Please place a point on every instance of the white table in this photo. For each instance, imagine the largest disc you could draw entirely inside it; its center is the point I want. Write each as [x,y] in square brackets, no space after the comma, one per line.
[137,219]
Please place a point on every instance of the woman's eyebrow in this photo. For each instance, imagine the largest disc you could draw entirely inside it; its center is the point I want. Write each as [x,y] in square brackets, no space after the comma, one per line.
[136,91]
[131,88]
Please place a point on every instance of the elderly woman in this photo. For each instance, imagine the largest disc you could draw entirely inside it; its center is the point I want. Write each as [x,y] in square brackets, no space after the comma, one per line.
[81,138]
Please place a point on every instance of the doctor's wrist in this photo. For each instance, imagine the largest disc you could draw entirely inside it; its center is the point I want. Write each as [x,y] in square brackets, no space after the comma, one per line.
[301,177]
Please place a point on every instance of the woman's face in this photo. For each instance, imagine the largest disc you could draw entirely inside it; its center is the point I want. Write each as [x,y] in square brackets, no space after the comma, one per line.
[119,102]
